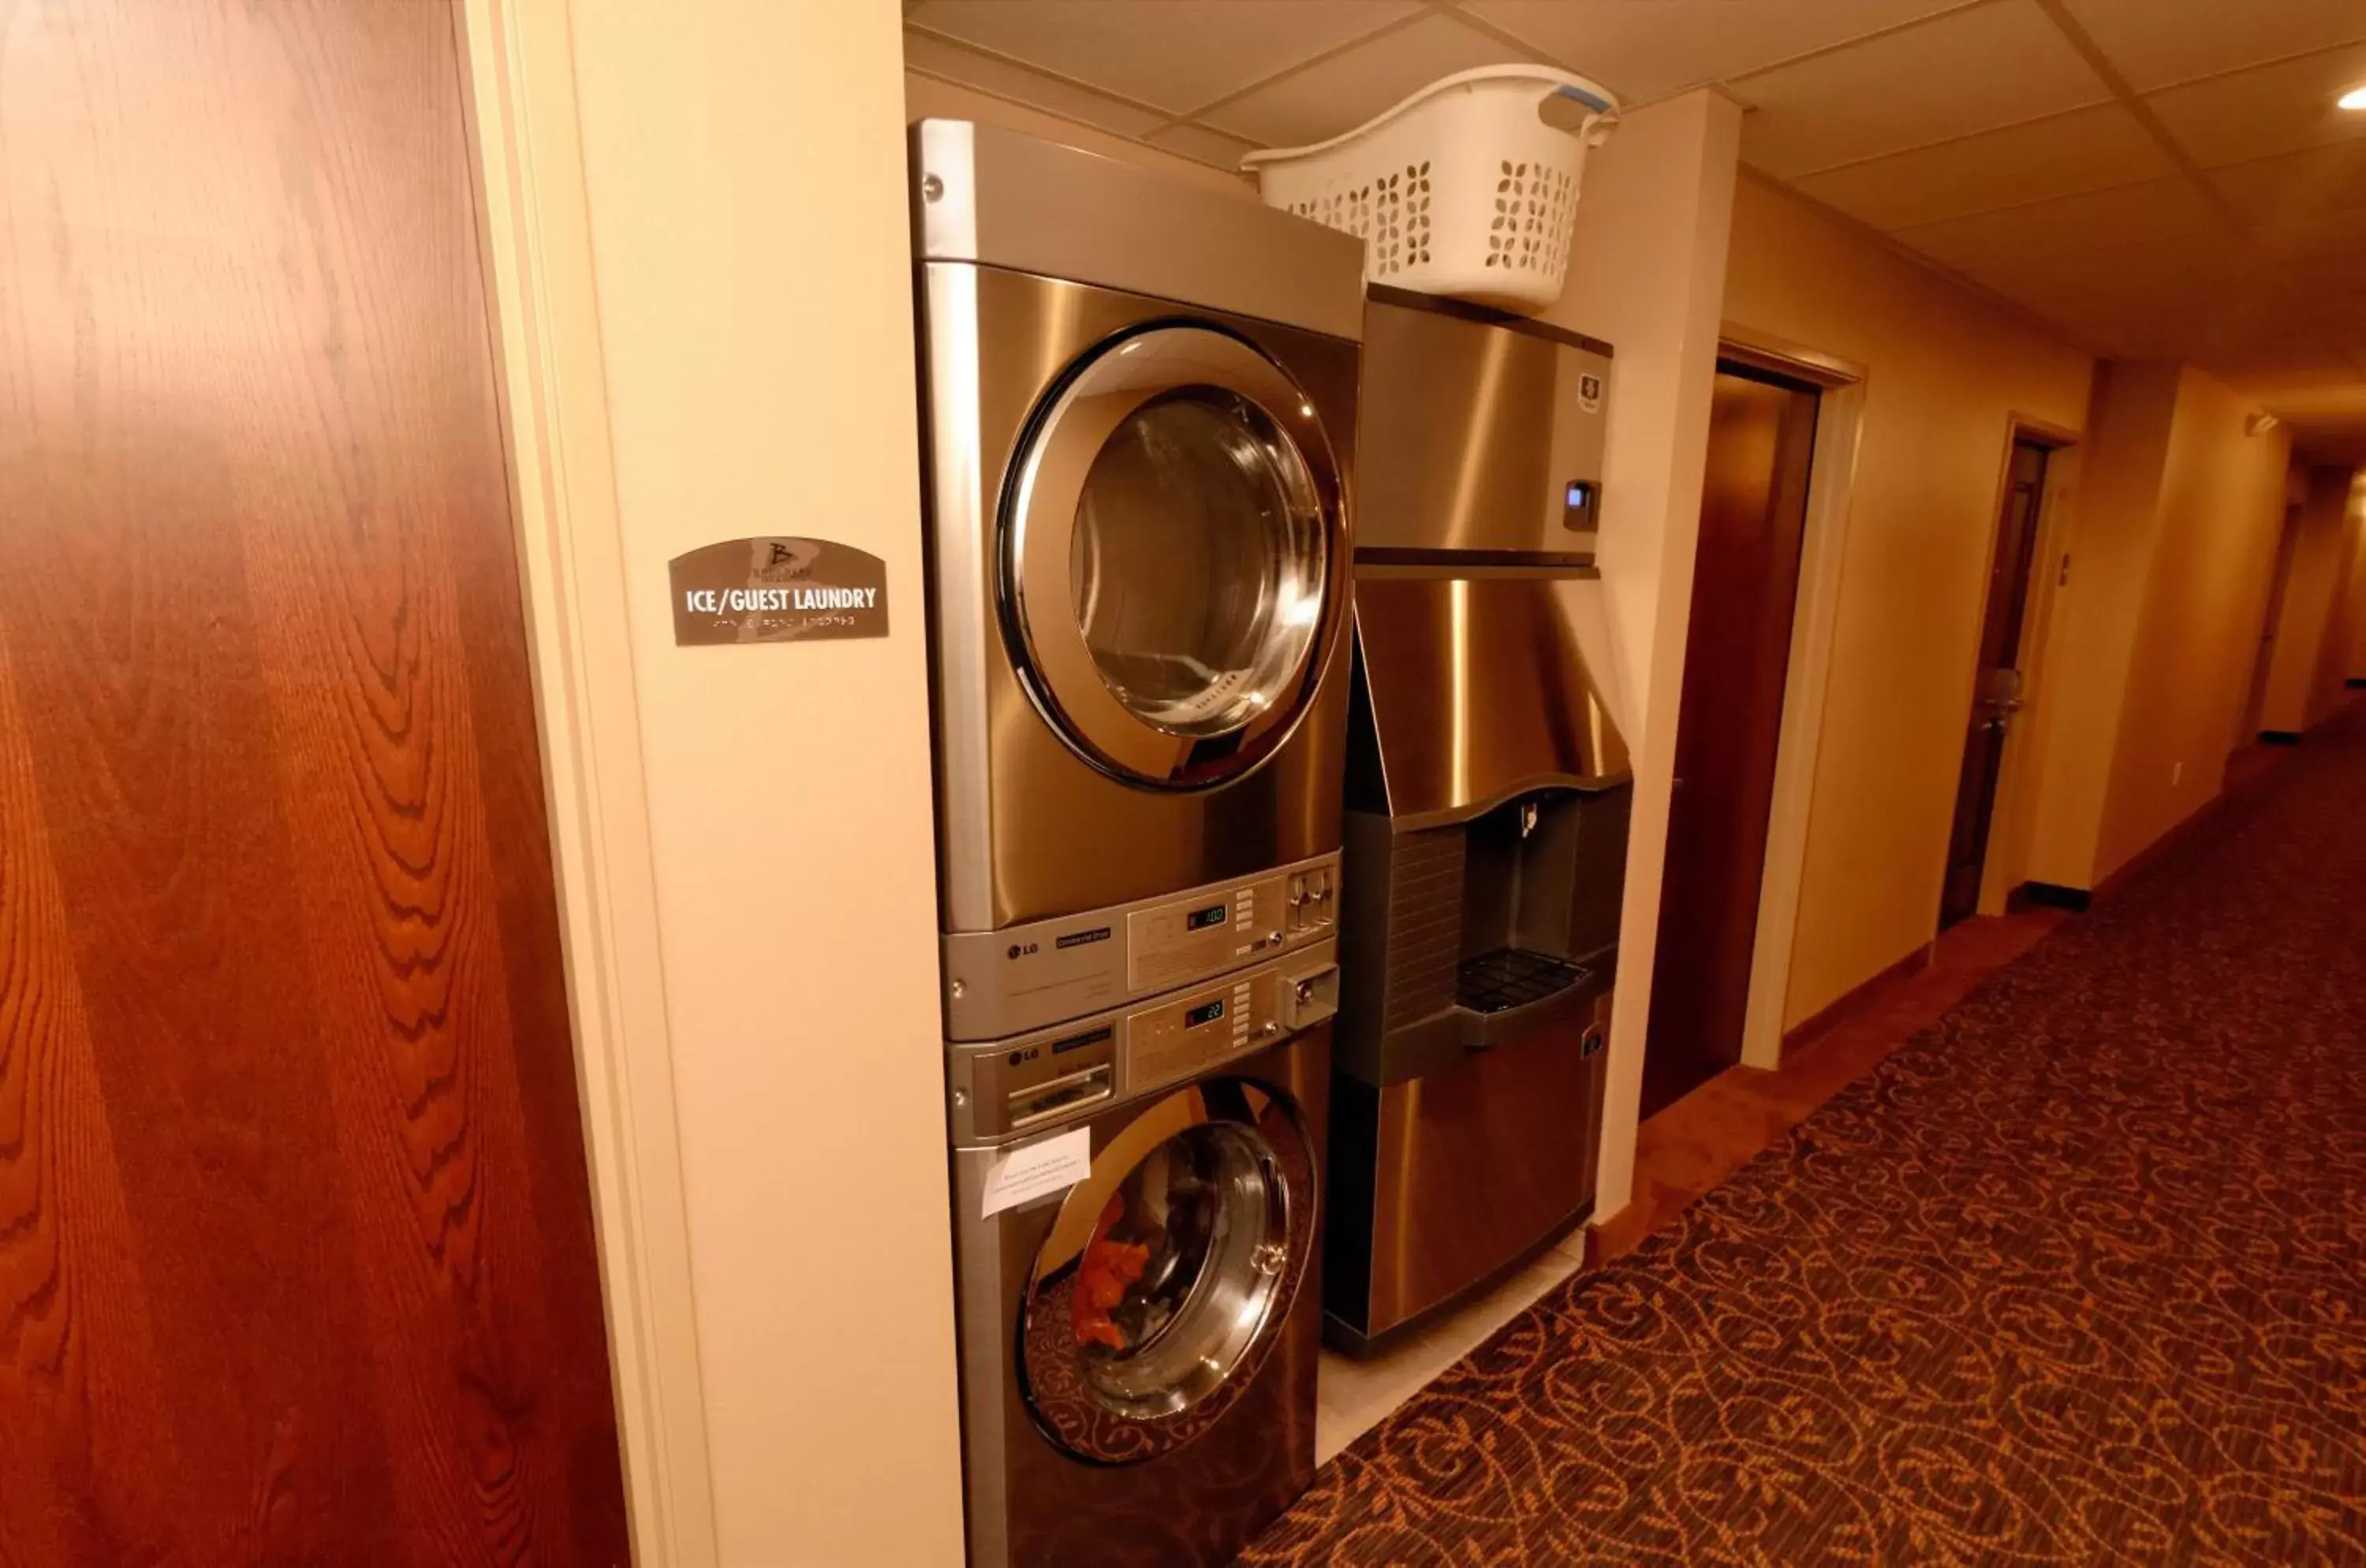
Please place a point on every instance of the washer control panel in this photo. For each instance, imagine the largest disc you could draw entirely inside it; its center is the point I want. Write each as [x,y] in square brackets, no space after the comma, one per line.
[1011,1089]
[1000,983]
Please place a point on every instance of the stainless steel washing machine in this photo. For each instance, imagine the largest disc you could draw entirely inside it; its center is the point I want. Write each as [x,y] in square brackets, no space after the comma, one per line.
[1139,401]
[1138,1349]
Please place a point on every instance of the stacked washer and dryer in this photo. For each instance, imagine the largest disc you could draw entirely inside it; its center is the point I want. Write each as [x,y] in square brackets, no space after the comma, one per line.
[1141,404]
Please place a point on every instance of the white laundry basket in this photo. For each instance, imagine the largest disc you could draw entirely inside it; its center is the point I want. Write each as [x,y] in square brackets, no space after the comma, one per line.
[1463,188]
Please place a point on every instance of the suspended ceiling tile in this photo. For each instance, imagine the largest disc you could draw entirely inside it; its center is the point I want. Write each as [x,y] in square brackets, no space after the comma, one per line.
[2156,328]
[1202,145]
[2082,150]
[2163,288]
[1649,51]
[2331,280]
[1350,87]
[1171,54]
[2266,373]
[2156,42]
[936,56]
[1965,72]
[2298,191]
[2144,283]
[2270,109]
[2328,239]
[2158,213]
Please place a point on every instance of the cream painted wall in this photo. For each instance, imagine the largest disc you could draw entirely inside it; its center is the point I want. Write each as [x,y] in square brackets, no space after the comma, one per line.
[743,172]
[2171,546]
[2351,654]
[2221,511]
[2091,634]
[927,98]
[2341,628]
[1946,374]
[1647,272]
[2305,673]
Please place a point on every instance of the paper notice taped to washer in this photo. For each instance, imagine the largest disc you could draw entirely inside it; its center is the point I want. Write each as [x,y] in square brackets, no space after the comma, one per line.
[1047,1165]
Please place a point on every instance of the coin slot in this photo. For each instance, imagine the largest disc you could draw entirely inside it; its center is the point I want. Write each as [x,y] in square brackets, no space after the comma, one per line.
[1078,1041]
[1026,1106]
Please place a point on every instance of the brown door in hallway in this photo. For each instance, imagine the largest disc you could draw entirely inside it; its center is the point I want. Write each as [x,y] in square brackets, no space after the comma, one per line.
[1736,657]
[1996,694]
[296,1248]
[2263,663]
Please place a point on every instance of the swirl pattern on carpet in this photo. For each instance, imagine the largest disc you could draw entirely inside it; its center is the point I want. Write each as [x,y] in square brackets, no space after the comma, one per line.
[2077,1276]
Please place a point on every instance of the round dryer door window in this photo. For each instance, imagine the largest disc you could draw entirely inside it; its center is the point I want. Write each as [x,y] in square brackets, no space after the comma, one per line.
[1167,1273]
[1173,561]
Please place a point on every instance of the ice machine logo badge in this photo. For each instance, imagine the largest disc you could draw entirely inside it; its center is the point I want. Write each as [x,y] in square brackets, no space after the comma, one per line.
[1589,393]
[777,589]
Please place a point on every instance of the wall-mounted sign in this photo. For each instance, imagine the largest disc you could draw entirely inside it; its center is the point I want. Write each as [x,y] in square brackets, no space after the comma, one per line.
[777,590]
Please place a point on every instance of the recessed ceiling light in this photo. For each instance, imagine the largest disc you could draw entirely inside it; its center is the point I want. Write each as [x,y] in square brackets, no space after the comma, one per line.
[2353,99]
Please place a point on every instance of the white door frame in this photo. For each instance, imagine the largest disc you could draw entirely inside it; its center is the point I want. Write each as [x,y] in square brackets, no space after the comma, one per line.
[534,229]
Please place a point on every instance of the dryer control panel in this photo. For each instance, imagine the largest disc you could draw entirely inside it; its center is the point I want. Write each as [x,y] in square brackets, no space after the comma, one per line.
[1013,1088]
[1021,978]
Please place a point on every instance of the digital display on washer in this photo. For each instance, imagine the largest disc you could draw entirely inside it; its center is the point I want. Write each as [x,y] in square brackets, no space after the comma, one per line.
[1206,1012]
[1201,920]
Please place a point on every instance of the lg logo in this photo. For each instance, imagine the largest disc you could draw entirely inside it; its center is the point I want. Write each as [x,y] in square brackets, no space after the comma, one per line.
[1022,949]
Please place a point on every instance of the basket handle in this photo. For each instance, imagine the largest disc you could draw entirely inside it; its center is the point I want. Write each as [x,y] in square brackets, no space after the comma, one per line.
[1601,117]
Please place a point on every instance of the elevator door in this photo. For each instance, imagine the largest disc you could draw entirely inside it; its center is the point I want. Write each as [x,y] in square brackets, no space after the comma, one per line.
[296,1250]
[1737,656]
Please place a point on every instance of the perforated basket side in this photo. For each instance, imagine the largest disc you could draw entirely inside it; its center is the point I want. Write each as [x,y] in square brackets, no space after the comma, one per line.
[1463,191]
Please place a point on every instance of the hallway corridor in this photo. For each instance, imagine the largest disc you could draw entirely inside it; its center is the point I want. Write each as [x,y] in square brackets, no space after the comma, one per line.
[2074,1277]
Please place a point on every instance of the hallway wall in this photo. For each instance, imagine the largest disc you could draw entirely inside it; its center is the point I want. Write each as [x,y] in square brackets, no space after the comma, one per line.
[2172,547]
[2316,630]
[1947,371]
[2350,653]
[2221,509]
[2090,638]
[1664,185]
[2348,621]
[744,176]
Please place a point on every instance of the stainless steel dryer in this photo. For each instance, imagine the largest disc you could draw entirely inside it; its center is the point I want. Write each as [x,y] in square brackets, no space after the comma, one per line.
[1140,402]
[1138,1349]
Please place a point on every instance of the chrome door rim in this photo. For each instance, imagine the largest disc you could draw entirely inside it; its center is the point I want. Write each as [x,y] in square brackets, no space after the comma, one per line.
[1175,1382]
[1069,430]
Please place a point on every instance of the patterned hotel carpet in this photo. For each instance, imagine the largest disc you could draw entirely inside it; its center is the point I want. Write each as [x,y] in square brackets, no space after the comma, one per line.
[2075,1277]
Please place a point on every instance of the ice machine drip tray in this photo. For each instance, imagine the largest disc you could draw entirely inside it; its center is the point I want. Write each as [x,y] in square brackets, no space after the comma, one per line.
[1513,977]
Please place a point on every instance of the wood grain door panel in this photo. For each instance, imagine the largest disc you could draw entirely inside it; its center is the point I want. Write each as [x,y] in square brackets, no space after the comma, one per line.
[1737,659]
[295,1256]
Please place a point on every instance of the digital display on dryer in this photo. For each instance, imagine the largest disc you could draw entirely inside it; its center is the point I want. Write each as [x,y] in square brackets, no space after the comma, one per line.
[1214,915]
[1206,1012]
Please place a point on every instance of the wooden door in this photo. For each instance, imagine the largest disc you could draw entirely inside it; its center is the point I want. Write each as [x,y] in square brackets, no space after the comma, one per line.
[2263,662]
[1736,657]
[295,1249]
[1996,694]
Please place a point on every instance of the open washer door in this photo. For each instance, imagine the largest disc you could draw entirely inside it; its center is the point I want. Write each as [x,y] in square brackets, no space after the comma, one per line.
[1168,1273]
[1175,559]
